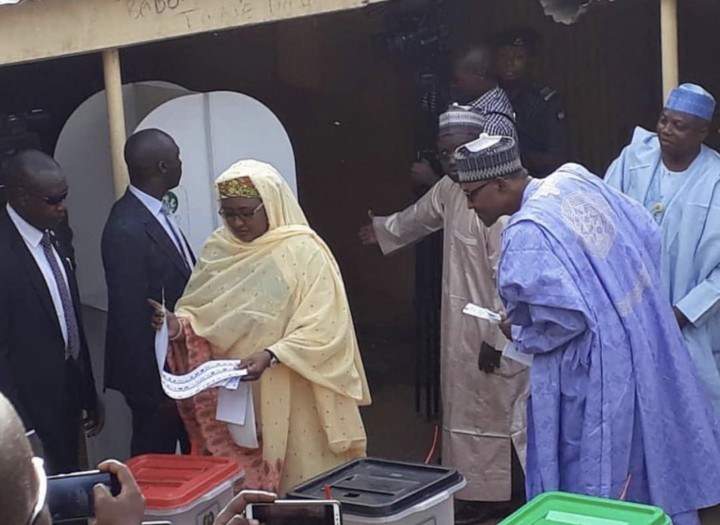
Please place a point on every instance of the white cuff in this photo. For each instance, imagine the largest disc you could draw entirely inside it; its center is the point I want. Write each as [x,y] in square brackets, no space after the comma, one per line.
[702,302]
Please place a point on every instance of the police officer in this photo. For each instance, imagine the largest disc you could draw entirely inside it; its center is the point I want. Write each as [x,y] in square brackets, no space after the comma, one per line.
[540,118]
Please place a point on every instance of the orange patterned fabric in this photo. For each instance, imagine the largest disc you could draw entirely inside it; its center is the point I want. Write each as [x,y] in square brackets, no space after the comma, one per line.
[208,435]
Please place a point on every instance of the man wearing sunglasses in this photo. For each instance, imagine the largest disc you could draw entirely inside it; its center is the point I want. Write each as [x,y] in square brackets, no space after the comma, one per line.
[145,256]
[45,365]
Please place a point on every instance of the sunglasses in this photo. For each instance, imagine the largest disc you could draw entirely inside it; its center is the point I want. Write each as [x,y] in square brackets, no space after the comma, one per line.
[244,215]
[52,200]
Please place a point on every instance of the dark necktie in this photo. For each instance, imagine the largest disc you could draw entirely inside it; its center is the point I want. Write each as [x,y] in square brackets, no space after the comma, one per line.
[73,333]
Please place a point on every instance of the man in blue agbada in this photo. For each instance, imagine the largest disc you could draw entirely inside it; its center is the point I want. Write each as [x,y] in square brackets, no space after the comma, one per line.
[616,407]
[677,178]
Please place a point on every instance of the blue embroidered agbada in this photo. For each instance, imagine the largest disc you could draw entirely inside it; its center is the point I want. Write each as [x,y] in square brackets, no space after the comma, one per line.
[615,399]
[689,219]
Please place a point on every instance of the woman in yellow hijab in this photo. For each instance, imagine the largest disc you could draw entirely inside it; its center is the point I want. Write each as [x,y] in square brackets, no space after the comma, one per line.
[267,290]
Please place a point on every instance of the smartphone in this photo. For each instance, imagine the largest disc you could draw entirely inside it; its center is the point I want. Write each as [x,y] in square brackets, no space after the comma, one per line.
[70,496]
[296,512]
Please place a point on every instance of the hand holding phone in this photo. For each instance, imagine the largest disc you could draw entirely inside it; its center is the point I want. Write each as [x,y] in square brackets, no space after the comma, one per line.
[124,508]
[70,496]
[235,510]
[110,494]
[296,512]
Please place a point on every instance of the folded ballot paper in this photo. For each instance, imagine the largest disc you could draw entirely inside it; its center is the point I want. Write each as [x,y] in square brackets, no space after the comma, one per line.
[235,401]
[482,313]
[510,351]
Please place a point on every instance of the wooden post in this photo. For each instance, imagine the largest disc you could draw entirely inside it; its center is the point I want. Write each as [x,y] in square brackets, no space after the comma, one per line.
[116,119]
[669,45]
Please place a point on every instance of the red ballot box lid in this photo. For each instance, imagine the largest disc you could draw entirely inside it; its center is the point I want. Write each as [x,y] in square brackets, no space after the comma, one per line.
[172,481]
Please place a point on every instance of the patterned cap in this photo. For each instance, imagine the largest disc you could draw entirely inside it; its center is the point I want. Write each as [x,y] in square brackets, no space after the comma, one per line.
[236,187]
[488,157]
[691,99]
[461,118]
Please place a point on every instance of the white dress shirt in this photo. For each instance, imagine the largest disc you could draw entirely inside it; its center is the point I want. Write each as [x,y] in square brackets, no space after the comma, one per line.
[32,237]
[154,206]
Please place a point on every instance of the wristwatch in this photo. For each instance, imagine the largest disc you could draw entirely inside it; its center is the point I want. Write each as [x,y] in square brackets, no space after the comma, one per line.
[273,358]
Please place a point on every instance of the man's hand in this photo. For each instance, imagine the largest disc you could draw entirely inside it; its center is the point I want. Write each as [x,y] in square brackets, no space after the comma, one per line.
[489,359]
[367,232]
[158,318]
[128,507]
[233,513]
[682,321]
[422,174]
[256,364]
[95,420]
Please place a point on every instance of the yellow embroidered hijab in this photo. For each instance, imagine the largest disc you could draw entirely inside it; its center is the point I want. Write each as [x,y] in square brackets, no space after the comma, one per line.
[282,292]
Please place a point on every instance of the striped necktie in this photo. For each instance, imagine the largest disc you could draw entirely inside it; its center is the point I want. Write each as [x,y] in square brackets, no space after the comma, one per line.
[73,333]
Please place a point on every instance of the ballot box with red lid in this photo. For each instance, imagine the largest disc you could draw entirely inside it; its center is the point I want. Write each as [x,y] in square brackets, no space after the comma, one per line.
[185,490]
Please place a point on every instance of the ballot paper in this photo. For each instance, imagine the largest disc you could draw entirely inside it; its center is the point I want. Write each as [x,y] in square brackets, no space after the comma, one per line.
[235,402]
[511,352]
[236,408]
[482,313]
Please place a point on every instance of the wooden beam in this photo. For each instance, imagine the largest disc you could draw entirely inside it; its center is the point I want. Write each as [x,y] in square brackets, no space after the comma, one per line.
[669,45]
[116,119]
[40,29]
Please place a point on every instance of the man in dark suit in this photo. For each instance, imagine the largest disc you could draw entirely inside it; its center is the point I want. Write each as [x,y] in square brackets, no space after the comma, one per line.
[145,256]
[45,365]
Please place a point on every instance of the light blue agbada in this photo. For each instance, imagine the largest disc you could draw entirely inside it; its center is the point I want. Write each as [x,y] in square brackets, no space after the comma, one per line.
[690,224]
[615,400]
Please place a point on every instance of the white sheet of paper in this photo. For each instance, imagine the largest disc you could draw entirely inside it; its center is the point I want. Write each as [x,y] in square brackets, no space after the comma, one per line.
[162,340]
[236,408]
[511,352]
[232,404]
[482,313]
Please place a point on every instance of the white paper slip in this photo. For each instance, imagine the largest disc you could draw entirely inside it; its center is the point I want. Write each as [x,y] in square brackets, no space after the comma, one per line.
[511,352]
[232,405]
[482,313]
[236,408]
[222,373]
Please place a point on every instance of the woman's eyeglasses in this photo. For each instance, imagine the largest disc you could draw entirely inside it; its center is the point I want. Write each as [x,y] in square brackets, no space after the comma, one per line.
[245,215]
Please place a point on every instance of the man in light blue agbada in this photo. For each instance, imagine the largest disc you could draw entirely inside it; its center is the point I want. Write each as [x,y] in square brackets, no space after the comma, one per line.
[616,407]
[677,178]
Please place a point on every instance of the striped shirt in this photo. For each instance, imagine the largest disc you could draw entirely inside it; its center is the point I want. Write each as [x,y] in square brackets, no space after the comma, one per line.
[498,112]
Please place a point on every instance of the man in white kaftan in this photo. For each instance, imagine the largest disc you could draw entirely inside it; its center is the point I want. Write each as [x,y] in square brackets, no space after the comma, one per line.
[483,412]
[677,178]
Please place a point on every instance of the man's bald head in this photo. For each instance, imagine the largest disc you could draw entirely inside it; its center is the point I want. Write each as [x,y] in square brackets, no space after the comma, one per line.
[474,71]
[19,483]
[153,160]
[32,169]
[36,188]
